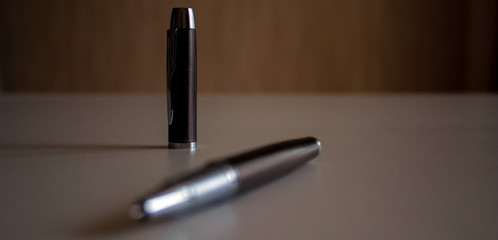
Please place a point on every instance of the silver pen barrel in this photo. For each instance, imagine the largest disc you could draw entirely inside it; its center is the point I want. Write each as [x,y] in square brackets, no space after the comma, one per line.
[211,185]
[226,178]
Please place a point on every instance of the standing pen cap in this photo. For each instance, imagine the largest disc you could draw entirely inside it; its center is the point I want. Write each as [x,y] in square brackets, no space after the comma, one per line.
[181,75]
[182,18]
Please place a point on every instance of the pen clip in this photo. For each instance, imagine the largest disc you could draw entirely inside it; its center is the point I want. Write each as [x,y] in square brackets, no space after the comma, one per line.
[171,65]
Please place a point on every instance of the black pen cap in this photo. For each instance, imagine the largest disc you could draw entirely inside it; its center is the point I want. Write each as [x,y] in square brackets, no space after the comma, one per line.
[181,74]
[182,18]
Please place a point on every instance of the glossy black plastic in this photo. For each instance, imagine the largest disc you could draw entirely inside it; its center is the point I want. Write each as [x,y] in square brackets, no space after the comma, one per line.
[182,85]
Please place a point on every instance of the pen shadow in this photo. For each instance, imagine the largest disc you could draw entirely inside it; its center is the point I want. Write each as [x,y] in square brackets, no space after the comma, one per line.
[114,223]
[193,222]
[54,149]
[120,223]
[78,146]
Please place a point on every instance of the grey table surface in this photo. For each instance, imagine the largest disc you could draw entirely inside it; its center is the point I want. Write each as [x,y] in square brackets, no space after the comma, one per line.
[392,166]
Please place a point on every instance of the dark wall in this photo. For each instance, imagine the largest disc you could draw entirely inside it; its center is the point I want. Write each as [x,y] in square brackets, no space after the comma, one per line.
[252,46]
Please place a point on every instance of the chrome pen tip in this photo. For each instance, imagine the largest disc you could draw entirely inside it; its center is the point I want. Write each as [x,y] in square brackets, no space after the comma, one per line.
[319,144]
[136,212]
[165,203]
[182,18]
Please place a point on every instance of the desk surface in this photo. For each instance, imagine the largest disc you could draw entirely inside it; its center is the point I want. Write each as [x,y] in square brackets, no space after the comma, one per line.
[392,167]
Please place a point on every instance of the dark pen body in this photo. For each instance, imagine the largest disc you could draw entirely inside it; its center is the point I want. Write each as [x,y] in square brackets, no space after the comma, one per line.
[225,178]
[181,76]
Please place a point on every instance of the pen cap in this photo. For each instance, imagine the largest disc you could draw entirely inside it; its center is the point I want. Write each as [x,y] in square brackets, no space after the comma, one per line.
[263,164]
[181,74]
[182,18]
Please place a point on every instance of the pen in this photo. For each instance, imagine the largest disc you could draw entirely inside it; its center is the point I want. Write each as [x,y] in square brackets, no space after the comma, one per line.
[181,74]
[226,178]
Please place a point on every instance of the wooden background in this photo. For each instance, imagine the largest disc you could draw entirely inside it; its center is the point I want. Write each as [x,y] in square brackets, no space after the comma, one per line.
[252,46]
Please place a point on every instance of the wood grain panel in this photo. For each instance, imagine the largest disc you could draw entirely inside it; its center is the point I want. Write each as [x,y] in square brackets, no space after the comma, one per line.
[247,46]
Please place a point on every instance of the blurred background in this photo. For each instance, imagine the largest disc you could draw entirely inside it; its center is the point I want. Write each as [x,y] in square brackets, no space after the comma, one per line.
[258,46]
